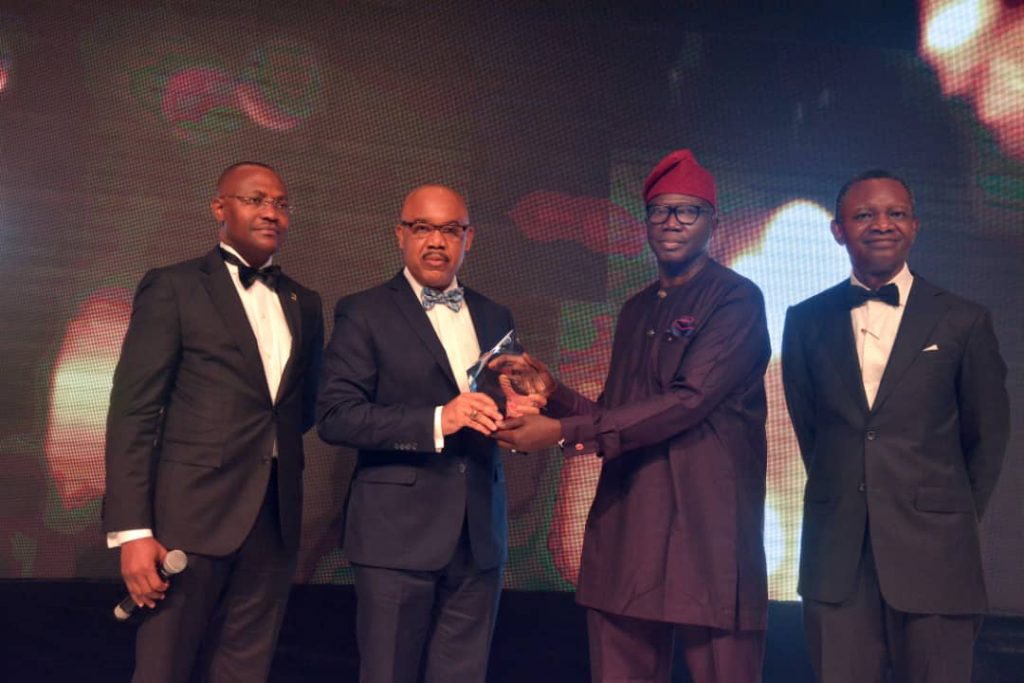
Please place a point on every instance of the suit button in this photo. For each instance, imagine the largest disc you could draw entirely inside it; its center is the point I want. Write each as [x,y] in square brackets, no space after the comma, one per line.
[650,333]
[871,436]
[462,468]
[862,487]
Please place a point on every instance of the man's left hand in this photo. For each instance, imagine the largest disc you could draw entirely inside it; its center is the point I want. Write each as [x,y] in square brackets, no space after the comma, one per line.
[529,433]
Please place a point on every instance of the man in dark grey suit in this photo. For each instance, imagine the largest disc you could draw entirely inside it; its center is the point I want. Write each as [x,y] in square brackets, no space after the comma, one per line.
[425,525]
[896,389]
[214,388]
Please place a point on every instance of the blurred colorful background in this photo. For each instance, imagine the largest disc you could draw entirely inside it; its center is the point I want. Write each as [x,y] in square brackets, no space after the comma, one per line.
[115,122]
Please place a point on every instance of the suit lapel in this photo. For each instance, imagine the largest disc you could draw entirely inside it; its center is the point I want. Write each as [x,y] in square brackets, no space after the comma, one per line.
[487,326]
[923,312]
[412,311]
[837,339]
[225,299]
[292,308]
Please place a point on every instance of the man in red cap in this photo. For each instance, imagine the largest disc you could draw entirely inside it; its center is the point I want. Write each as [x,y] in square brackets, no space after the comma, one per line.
[673,544]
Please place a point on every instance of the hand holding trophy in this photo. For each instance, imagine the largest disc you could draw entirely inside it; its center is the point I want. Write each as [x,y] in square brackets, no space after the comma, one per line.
[525,382]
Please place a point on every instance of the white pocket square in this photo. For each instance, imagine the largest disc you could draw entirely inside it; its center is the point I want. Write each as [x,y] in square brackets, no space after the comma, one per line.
[933,347]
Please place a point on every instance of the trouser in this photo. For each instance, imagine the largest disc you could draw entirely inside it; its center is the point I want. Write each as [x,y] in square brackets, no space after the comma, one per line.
[860,639]
[222,615]
[624,649]
[435,623]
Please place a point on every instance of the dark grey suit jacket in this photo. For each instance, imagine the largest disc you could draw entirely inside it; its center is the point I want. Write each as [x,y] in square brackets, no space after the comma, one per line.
[191,426]
[385,371]
[917,468]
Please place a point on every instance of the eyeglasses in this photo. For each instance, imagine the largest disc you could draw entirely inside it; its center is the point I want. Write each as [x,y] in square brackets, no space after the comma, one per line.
[687,214]
[422,229]
[281,205]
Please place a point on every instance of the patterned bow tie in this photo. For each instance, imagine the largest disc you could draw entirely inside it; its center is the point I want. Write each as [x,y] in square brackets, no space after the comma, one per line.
[247,275]
[858,296]
[452,298]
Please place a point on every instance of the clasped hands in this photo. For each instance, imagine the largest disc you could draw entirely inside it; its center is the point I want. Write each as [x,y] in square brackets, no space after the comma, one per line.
[526,383]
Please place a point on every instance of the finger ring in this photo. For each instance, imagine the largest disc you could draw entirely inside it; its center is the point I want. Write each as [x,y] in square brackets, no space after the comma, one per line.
[473,413]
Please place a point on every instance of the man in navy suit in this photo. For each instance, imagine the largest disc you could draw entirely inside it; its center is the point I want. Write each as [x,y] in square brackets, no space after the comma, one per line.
[896,389]
[425,526]
[213,391]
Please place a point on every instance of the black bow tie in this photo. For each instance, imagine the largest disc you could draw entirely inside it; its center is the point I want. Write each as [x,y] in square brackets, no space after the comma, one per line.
[248,275]
[858,296]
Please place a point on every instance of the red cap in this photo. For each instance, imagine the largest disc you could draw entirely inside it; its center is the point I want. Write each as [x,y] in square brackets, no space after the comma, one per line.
[679,173]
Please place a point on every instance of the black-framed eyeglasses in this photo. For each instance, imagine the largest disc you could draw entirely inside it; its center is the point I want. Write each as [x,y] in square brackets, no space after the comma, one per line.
[421,229]
[256,202]
[687,214]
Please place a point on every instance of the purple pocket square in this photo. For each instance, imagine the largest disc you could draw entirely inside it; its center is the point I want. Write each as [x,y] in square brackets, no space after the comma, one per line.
[683,326]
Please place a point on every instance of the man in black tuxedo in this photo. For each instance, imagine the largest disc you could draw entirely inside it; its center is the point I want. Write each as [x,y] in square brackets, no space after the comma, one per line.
[215,386]
[896,389]
[425,526]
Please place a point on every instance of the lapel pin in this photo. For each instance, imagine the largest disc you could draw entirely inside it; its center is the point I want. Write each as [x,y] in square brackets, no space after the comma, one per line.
[295,297]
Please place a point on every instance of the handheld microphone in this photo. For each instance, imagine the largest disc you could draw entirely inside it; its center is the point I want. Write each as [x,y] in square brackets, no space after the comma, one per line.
[175,562]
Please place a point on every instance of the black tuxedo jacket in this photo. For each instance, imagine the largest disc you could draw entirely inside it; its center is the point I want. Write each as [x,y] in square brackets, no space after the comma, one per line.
[385,371]
[191,426]
[917,468]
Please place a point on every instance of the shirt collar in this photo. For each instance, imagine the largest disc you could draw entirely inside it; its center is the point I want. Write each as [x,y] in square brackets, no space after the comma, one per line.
[418,288]
[903,280]
[231,250]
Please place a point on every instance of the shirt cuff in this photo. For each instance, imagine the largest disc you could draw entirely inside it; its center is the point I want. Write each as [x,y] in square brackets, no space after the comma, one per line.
[580,435]
[438,433]
[116,539]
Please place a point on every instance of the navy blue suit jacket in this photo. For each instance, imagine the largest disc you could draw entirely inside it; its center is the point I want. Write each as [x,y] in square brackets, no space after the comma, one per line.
[385,371]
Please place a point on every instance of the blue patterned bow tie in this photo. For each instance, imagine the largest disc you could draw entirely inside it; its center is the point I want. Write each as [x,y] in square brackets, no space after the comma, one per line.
[452,298]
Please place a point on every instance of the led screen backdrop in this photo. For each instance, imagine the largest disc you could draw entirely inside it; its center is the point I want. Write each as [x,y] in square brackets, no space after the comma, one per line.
[115,122]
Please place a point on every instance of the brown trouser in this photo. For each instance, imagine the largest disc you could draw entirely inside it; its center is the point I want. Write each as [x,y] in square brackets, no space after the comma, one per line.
[624,649]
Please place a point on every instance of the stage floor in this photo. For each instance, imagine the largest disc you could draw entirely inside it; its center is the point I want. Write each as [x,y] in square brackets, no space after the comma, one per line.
[64,631]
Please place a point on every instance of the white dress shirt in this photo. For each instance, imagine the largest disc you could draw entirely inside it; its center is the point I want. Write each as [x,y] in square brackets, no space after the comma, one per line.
[266,316]
[457,334]
[875,325]
[273,337]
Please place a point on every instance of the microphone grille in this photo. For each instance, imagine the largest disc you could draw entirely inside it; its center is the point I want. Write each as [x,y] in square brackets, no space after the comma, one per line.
[175,562]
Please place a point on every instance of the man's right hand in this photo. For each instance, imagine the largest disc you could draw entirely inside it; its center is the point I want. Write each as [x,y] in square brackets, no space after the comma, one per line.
[139,561]
[474,410]
[527,374]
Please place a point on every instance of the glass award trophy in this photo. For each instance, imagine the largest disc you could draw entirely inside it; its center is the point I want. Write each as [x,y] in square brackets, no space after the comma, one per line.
[504,359]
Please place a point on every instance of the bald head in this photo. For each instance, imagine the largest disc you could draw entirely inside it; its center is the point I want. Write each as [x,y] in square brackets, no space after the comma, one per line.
[434,234]
[435,204]
[236,169]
